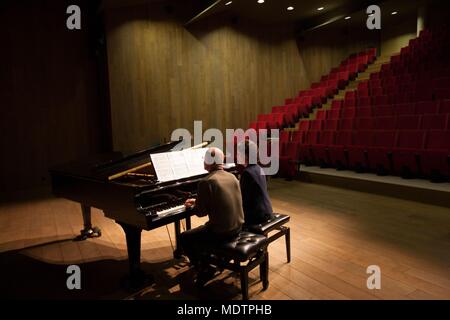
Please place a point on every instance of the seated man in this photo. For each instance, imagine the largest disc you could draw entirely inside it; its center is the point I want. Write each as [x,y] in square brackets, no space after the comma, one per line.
[219,197]
[255,199]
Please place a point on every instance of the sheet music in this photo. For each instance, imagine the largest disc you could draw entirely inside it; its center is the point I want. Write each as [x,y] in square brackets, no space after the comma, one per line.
[176,165]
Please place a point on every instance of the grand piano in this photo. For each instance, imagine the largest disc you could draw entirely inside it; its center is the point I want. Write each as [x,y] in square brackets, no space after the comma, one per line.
[127,190]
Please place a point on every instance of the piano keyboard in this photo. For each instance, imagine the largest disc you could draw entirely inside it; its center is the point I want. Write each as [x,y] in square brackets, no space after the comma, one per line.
[171,210]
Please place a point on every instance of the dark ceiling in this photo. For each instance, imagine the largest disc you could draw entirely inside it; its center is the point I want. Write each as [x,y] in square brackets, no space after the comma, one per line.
[305,13]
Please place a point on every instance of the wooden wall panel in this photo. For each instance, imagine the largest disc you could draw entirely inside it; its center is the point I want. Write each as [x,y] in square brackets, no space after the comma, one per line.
[48,94]
[325,48]
[164,76]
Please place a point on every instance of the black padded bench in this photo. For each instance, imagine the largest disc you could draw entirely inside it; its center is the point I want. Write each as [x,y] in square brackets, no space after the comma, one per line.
[241,255]
[276,223]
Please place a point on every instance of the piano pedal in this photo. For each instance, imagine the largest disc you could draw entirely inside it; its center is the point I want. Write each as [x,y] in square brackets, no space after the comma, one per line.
[86,233]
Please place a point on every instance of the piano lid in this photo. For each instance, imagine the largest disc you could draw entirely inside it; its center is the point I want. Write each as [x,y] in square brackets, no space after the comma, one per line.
[102,166]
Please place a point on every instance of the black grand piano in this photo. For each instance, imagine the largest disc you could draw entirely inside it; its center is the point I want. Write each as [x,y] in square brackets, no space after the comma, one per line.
[127,190]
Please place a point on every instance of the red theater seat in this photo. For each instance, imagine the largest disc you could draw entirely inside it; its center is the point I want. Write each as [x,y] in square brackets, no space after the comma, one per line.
[288,164]
[348,113]
[321,114]
[350,95]
[433,122]
[319,151]
[383,111]
[310,139]
[346,124]
[337,104]
[445,106]
[331,124]
[263,117]
[380,100]
[363,85]
[385,123]
[316,125]
[338,151]
[334,114]
[380,153]
[363,92]
[364,102]
[364,112]
[427,107]
[406,155]
[408,122]
[442,93]
[357,152]
[435,157]
[376,91]
[257,125]
[402,97]
[304,125]
[349,103]
[404,109]
[365,124]
[276,120]
[297,136]
[285,137]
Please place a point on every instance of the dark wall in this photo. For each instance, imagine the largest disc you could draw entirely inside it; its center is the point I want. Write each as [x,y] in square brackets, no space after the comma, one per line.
[51,108]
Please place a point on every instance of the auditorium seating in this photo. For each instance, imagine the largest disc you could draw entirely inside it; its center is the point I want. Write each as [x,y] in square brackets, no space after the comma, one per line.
[304,103]
[396,122]
[306,100]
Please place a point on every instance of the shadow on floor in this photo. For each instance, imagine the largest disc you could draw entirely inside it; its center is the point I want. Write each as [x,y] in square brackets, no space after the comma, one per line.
[26,277]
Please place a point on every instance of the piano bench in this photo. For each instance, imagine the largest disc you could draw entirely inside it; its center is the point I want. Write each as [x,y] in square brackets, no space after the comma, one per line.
[241,255]
[276,223]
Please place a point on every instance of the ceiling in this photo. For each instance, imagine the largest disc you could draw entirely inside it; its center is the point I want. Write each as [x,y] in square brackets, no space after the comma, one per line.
[305,13]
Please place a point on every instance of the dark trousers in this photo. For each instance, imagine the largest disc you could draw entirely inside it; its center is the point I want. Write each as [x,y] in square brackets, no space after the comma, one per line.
[197,242]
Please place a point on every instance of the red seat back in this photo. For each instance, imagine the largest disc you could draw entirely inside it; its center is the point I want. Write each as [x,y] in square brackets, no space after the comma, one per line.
[433,122]
[326,137]
[427,107]
[411,139]
[316,125]
[331,124]
[384,139]
[365,124]
[438,140]
[346,124]
[304,125]
[343,138]
[386,123]
[363,138]
[408,122]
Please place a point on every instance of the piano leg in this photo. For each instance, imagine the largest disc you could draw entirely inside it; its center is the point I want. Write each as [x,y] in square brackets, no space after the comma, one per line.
[136,278]
[177,253]
[188,223]
[88,231]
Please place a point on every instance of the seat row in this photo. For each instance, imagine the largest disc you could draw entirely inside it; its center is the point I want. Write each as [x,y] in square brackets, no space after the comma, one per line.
[409,153]
[402,122]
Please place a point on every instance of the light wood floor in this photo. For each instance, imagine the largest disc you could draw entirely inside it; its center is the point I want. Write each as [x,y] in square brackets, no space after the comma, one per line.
[336,234]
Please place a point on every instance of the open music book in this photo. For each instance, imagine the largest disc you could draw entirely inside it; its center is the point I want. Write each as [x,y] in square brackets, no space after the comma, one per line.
[177,165]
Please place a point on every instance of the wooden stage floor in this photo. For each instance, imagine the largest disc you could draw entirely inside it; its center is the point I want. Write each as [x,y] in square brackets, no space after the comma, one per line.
[336,234]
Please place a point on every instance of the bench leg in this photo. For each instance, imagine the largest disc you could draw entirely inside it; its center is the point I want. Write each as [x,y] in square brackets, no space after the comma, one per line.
[264,271]
[244,282]
[288,244]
